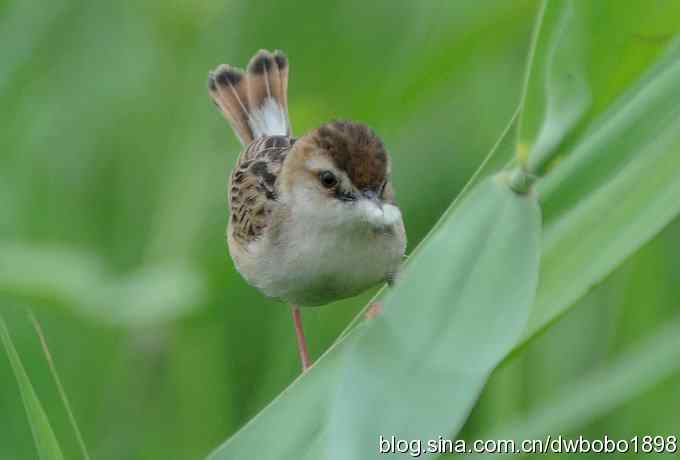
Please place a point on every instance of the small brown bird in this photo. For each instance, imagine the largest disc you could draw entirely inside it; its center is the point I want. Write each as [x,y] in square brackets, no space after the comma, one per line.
[312,220]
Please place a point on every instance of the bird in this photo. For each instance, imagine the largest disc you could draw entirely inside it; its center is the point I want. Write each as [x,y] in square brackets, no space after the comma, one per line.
[312,219]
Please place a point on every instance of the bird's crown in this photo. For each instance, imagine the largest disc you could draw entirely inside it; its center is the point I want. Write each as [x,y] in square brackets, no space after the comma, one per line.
[355,149]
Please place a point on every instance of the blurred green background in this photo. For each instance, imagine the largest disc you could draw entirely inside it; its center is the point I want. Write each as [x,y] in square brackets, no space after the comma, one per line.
[113,210]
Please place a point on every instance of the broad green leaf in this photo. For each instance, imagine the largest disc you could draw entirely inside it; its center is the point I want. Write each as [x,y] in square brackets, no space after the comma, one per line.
[600,120]
[416,370]
[634,372]
[455,314]
[46,442]
[587,55]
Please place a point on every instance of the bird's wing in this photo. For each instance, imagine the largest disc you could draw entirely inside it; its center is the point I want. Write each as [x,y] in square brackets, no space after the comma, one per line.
[253,186]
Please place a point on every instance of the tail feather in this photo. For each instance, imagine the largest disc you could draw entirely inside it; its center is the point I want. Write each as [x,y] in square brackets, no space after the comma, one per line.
[228,89]
[255,103]
[268,116]
[282,66]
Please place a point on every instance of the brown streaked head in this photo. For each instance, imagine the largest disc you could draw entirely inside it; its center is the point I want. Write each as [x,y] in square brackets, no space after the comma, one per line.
[356,150]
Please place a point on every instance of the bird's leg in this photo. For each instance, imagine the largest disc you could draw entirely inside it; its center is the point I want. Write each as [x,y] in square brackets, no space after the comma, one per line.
[373,310]
[300,335]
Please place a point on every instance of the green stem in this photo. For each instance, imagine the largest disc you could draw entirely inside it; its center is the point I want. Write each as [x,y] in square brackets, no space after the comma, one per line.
[60,387]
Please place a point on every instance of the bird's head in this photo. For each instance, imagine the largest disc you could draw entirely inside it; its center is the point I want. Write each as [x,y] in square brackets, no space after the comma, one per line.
[341,170]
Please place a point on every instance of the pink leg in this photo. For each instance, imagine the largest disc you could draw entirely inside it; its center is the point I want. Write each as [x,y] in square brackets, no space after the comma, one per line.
[301,342]
[373,311]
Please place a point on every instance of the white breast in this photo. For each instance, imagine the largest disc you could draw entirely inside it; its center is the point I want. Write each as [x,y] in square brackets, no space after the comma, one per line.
[326,253]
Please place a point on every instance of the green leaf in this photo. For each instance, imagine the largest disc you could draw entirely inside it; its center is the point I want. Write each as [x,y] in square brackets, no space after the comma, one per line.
[45,441]
[587,55]
[417,368]
[634,372]
[617,185]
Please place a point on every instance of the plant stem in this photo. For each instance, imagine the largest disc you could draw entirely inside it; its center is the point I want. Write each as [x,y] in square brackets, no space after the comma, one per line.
[60,387]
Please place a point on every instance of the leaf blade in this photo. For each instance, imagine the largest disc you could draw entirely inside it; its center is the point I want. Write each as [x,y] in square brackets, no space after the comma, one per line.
[455,325]
[612,193]
[45,440]
[637,370]
[308,408]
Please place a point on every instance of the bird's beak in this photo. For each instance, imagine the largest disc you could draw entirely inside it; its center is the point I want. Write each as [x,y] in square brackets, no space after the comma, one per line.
[373,197]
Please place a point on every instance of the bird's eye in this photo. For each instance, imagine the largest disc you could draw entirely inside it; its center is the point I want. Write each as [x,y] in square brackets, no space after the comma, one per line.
[328,179]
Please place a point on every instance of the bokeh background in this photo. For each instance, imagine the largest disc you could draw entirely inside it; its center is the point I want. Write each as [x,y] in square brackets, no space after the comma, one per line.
[113,168]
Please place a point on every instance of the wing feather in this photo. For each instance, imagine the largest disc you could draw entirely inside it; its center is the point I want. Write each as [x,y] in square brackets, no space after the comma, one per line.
[253,186]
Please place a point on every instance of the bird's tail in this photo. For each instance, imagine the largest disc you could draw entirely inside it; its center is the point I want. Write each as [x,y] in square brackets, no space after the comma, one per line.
[254,102]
